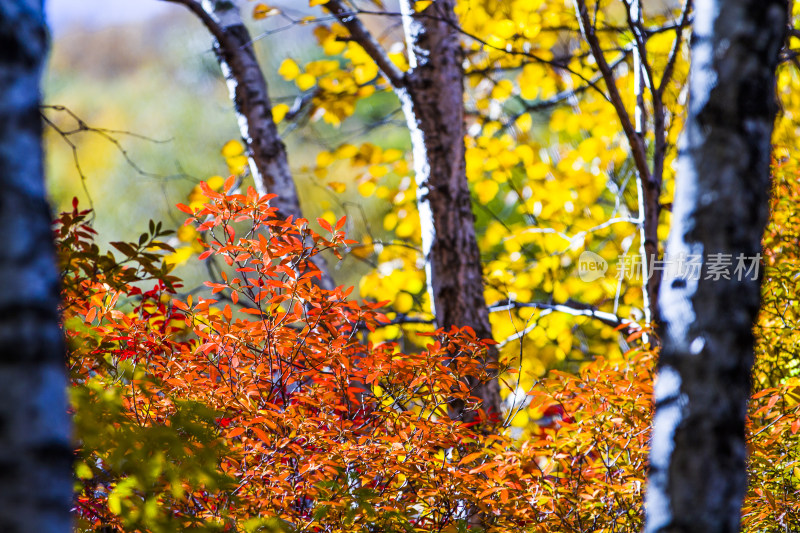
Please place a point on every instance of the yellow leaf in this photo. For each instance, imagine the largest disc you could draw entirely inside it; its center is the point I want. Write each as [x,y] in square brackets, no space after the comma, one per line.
[237,164]
[377,171]
[529,81]
[114,504]
[289,69]
[305,81]
[329,217]
[521,420]
[367,188]
[422,5]
[363,251]
[333,46]
[262,11]
[232,148]
[82,471]
[346,151]
[324,159]
[524,123]
[505,28]
[322,67]
[502,90]
[403,303]
[279,112]
[405,228]
[187,234]
[390,221]
[391,155]
[180,256]
[215,182]
[486,190]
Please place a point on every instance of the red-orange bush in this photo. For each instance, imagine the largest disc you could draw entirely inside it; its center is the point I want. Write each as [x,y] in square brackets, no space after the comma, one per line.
[266,408]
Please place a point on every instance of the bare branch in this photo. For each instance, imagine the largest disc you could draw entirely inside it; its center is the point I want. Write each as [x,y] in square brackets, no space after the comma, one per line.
[636,143]
[571,307]
[676,48]
[208,21]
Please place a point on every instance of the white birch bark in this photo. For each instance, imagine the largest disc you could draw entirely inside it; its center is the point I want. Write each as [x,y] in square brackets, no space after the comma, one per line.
[249,93]
[697,476]
[433,103]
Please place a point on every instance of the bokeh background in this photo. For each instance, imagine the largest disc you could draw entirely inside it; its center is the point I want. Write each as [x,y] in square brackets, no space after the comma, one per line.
[143,73]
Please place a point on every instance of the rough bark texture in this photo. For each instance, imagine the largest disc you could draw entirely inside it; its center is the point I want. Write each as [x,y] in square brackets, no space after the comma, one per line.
[698,476]
[35,450]
[250,95]
[433,102]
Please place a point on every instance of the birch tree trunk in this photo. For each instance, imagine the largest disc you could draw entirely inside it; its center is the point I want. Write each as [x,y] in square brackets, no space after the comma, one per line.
[35,449]
[697,476]
[432,97]
[249,93]
[433,103]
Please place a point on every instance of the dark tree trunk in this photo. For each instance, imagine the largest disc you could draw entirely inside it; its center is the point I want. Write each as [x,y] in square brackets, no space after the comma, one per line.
[698,457]
[35,449]
[432,96]
[433,102]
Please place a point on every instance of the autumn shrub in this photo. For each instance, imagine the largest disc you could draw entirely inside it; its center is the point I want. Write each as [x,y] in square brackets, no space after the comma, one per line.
[265,407]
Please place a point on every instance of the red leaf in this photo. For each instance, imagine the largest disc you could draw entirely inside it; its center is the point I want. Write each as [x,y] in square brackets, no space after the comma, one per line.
[208,191]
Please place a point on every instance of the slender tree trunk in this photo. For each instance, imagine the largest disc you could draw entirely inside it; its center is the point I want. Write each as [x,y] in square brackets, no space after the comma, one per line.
[250,95]
[697,474]
[432,96]
[35,449]
[433,102]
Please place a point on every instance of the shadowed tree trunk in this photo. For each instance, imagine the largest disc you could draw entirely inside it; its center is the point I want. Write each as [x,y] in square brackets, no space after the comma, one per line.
[35,448]
[250,95]
[697,477]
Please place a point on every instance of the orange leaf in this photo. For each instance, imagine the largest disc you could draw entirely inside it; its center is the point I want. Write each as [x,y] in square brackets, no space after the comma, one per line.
[471,457]
[260,434]
[235,432]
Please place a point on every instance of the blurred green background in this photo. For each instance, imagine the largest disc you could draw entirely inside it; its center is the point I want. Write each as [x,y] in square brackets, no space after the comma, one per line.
[155,85]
